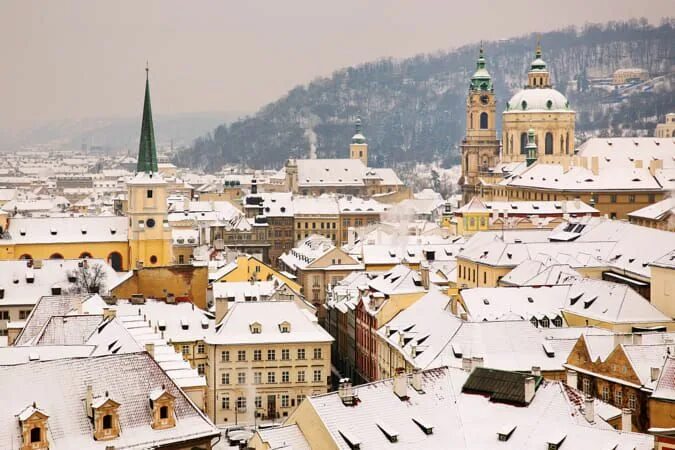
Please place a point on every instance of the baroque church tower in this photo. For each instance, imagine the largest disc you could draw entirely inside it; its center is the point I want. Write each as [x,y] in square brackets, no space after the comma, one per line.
[480,147]
[149,232]
[358,149]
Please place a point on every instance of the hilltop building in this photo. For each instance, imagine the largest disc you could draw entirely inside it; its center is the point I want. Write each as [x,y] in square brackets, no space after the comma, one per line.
[350,176]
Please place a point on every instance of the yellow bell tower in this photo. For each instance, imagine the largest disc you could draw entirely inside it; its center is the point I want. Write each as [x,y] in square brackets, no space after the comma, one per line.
[150,242]
[480,147]
[358,149]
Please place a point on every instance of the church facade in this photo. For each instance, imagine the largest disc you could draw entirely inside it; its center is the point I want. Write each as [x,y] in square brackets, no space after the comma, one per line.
[536,157]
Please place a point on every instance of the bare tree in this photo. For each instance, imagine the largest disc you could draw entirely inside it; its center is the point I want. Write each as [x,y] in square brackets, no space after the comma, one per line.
[87,278]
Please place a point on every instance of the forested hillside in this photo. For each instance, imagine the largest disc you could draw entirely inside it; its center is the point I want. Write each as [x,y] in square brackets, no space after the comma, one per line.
[413,109]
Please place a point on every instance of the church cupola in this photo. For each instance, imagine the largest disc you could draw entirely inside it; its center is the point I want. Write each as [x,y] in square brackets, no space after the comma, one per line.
[531,147]
[358,149]
[538,76]
[481,79]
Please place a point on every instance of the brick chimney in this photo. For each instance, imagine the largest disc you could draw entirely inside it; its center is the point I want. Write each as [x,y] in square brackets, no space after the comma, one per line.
[401,384]
[626,420]
[572,378]
[589,410]
[529,389]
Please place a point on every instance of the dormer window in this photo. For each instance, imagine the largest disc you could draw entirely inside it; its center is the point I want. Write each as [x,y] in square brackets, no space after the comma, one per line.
[106,418]
[255,328]
[56,290]
[52,231]
[33,422]
[285,327]
[162,405]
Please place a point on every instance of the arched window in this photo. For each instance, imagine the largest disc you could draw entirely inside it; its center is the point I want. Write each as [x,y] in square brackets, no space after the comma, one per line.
[56,256]
[36,434]
[164,412]
[483,121]
[25,256]
[523,143]
[115,260]
[85,255]
[107,422]
[548,146]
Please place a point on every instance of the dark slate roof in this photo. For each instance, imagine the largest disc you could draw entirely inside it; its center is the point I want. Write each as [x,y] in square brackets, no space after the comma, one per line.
[499,385]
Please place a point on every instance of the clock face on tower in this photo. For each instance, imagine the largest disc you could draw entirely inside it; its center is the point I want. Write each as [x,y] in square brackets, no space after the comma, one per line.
[484,99]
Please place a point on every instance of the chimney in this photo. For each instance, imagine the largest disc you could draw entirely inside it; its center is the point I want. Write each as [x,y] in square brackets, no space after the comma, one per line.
[413,351]
[477,361]
[536,370]
[654,373]
[424,273]
[416,381]
[589,411]
[254,186]
[401,384]
[387,331]
[346,392]
[626,420]
[654,165]
[529,389]
[595,165]
[572,378]
[88,400]
[464,316]
[222,305]
[466,364]
[109,313]
[453,305]
[150,348]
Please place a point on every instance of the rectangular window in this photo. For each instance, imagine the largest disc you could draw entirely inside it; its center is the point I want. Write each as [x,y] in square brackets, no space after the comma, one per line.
[225,402]
[587,386]
[185,350]
[200,368]
[301,376]
[631,198]
[241,404]
[148,193]
[632,402]
[618,398]
[301,353]
[271,377]
[241,378]
[201,348]
[612,198]
[285,354]
[225,378]
[258,402]
[257,355]
[257,377]
[285,376]
[317,375]
[317,353]
[4,315]
[284,401]
[300,398]
[181,259]
[271,355]
[241,355]
[225,356]
[605,394]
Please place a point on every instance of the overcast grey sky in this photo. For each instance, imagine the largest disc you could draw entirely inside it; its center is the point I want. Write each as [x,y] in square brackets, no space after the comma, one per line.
[72,59]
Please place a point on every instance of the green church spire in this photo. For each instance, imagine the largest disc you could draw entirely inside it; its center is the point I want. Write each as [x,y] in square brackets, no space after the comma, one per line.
[147,152]
[481,79]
